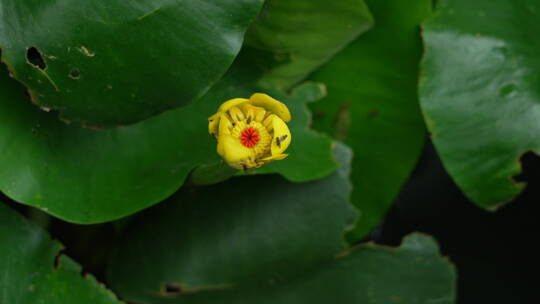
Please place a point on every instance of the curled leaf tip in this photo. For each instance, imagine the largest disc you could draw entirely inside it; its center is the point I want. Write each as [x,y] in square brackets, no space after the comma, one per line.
[251,132]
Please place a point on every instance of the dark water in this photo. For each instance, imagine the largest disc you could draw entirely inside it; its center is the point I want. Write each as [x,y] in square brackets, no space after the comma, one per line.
[493,251]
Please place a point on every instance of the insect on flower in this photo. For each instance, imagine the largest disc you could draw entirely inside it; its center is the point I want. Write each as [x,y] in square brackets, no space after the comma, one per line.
[251,132]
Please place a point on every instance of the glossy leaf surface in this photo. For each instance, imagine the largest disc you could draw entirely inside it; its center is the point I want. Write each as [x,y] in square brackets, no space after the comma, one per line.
[89,176]
[480,92]
[304,34]
[372,105]
[33,270]
[413,273]
[108,63]
[248,229]
[264,240]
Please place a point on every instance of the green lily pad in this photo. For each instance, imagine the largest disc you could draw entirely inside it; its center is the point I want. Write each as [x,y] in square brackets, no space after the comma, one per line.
[88,176]
[413,273]
[304,34]
[108,63]
[256,228]
[372,105]
[480,93]
[264,240]
[34,271]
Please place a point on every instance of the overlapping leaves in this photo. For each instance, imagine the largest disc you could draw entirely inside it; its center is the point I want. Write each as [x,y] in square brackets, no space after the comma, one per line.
[253,239]
[107,63]
[89,176]
[265,240]
[372,105]
[304,34]
[33,270]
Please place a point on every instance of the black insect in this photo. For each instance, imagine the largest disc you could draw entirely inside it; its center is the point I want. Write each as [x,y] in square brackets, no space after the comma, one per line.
[281,139]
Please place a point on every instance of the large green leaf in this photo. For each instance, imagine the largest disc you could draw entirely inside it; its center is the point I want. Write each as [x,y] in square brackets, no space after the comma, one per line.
[89,176]
[412,274]
[34,271]
[256,228]
[264,240]
[480,92]
[305,33]
[118,62]
[372,104]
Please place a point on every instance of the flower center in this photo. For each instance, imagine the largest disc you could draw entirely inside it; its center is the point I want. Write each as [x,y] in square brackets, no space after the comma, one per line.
[250,137]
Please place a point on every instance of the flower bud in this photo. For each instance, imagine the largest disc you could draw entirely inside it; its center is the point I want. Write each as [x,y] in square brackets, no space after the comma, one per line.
[251,132]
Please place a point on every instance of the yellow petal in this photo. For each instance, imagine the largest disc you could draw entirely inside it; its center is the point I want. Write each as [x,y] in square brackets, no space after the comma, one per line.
[225,125]
[272,105]
[213,124]
[236,114]
[253,112]
[231,103]
[234,153]
[268,122]
[282,136]
[259,114]
[275,157]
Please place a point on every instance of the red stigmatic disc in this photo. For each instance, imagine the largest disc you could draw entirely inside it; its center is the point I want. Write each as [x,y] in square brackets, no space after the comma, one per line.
[250,137]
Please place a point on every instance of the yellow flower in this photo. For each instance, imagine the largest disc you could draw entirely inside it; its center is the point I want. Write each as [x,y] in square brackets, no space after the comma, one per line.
[251,132]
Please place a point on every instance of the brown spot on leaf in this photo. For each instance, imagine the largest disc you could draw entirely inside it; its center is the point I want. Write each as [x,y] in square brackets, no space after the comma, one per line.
[56,263]
[170,290]
[373,113]
[75,74]
[86,51]
[174,289]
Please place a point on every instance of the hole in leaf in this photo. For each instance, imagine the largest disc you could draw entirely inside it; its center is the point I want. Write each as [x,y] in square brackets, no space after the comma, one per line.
[34,57]
[373,113]
[75,74]
[170,290]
